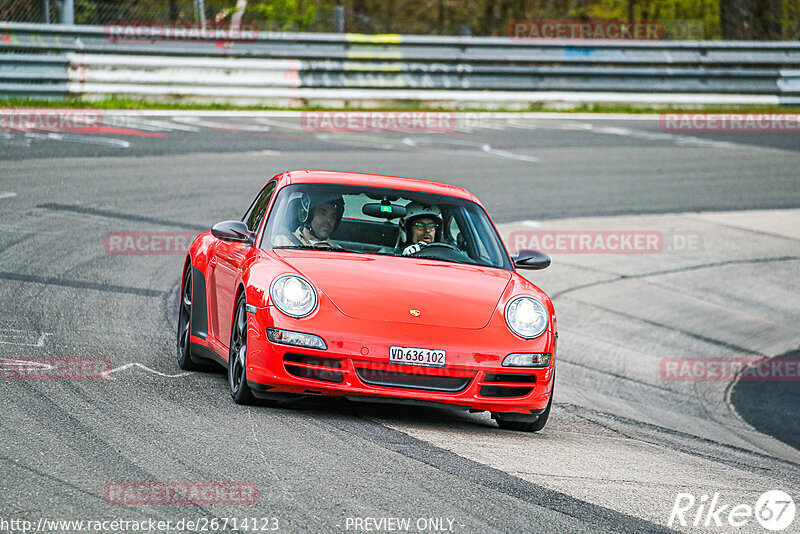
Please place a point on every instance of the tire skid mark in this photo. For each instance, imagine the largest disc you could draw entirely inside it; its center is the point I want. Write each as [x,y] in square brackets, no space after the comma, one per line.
[105,454]
[618,376]
[124,216]
[667,485]
[13,242]
[614,423]
[49,477]
[699,337]
[619,278]
[81,284]
[493,479]
[743,229]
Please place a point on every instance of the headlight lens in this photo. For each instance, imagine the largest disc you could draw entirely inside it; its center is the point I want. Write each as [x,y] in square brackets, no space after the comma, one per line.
[526,317]
[527,360]
[287,337]
[293,295]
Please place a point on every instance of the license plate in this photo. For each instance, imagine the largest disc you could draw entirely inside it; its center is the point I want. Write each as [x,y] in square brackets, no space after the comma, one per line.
[417,356]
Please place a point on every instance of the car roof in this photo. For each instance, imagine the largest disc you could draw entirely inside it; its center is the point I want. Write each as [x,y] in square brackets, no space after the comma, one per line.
[373,180]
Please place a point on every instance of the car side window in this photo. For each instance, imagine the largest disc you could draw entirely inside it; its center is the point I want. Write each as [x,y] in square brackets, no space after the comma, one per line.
[259,207]
[454,231]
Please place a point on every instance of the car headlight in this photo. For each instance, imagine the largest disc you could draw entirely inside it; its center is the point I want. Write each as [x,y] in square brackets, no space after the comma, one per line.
[526,317]
[518,359]
[287,337]
[293,295]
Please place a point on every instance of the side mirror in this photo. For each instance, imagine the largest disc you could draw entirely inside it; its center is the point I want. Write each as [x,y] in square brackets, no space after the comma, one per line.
[234,231]
[531,259]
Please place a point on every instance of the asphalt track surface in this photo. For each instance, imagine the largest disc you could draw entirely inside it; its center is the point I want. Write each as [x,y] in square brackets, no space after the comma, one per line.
[620,443]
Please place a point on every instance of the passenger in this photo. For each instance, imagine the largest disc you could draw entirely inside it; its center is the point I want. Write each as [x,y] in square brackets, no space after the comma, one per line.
[419,226]
[319,216]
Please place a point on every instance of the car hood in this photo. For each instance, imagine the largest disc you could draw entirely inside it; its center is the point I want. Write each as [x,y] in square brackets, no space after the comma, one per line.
[389,288]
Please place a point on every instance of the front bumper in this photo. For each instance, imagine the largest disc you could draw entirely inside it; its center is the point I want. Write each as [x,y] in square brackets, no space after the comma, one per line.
[356,363]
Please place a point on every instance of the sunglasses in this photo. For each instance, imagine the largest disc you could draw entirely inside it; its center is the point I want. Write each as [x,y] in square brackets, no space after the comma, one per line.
[425,226]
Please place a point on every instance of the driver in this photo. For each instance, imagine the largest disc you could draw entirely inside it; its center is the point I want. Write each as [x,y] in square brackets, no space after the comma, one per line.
[420,226]
[319,216]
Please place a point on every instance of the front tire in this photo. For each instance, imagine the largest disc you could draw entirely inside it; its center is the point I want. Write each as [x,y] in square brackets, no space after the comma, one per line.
[237,357]
[510,422]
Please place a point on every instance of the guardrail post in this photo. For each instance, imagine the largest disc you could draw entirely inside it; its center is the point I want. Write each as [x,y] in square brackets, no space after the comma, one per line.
[66,11]
[200,12]
[45,11]
[339,18]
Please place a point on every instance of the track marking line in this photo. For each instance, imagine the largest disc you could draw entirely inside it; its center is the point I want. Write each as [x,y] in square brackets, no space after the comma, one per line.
[224,126]
[262,153]
[21,334]
[142,366]
[487,148]
[7,194]
[680,140]
[24,364]
[482,148]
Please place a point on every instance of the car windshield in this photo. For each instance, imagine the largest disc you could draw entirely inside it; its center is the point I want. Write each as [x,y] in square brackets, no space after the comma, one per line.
[370,220]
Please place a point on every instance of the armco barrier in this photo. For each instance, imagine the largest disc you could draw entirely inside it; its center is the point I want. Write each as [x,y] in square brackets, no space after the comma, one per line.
[55,60]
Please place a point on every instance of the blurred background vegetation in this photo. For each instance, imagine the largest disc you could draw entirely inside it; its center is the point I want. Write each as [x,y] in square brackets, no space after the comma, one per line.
[693,19]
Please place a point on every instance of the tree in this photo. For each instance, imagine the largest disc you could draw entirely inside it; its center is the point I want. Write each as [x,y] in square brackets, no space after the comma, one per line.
[751,19]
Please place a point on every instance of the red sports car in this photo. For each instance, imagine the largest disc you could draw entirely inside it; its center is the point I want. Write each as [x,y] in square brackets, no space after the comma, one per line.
[373,288]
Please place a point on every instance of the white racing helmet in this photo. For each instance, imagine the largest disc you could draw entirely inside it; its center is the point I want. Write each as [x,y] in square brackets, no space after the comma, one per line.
[416,209]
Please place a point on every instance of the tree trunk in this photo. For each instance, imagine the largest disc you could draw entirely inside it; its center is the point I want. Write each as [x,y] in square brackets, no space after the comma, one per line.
[768,19]
[236,19]
[360,17]
[750,19]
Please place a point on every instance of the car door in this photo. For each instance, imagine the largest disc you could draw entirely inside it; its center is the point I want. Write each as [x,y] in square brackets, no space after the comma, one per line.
[227,264]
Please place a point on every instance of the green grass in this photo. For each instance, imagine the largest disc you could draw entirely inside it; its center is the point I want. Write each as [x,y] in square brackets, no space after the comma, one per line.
[136,104]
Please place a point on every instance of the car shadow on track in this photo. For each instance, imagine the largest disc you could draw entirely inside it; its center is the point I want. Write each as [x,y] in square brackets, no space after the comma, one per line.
[388,411]
[402,414]
[327,406]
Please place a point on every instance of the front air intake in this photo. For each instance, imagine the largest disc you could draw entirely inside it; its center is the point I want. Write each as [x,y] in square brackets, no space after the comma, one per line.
[399,379]
[507,385]
[313,367]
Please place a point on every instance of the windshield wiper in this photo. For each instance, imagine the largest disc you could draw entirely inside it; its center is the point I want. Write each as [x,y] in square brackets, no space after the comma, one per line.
[326,247]
[468,261]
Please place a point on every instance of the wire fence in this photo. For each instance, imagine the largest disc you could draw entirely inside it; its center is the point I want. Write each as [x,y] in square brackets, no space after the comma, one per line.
[679,19]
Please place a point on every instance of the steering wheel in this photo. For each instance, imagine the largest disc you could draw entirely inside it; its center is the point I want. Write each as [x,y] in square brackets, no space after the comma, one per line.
[442,251]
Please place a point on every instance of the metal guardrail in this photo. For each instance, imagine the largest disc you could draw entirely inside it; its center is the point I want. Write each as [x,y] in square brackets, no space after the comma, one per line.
[53,60]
